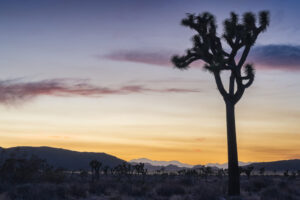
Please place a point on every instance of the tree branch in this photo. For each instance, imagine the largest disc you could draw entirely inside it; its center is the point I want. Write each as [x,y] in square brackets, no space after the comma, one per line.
[231,84]
[244,56]
[220,85]
[249,83]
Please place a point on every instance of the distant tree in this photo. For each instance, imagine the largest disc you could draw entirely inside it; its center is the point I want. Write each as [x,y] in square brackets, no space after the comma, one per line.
[123,169]
[18,170]
[205,172]
[248,170]
[83,174]
[161,170]
[139,168]
[221,173]
[95,167]
[208,48]
[181,172]
[294,173]
[262,171]
[286,173]
[105,170]
[241,170]
[191,172]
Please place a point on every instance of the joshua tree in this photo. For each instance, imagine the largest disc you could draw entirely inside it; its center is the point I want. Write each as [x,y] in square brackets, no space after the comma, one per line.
[240,37]
[139,168]
[286,173]
[221,173]
[95,166]
[262,171]
[248,171]
[105,170]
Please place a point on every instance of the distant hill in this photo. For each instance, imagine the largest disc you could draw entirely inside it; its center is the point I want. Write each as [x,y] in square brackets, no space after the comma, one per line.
[278,165]
[168,168]
[182,165]
[225,165]
[71,160]
[281,165]
[161,163]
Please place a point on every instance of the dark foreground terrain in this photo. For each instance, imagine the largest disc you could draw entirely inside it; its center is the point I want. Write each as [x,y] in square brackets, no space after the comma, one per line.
[25,176]
[174,187]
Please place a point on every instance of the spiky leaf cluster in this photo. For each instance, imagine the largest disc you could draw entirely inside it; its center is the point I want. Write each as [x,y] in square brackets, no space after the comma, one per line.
[239,34]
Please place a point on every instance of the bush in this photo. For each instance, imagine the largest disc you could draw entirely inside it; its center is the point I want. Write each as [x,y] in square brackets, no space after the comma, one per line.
[259,183]
[187,181]
[33,192]
[169,190]
[98,188]
[78,190]
[208,192]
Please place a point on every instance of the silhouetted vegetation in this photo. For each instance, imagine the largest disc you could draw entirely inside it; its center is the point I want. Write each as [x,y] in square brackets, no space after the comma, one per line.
[33,178]
[207,46]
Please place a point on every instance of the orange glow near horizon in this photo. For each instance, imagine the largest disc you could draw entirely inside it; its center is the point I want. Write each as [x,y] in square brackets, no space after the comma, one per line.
[189,129]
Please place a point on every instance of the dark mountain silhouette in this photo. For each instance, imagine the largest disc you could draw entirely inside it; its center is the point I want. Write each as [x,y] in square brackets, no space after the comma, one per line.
[67,159]
[280,165]
[73,160]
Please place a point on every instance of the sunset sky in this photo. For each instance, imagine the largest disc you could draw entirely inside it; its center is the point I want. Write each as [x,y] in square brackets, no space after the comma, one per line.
[96,76]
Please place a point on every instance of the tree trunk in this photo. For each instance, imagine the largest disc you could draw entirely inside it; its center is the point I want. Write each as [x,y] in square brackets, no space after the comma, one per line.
[233,168]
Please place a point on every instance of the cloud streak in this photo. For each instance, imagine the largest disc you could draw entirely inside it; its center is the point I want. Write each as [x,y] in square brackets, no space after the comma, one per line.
[161,58]
[283,57]
[15,92]
[277,56]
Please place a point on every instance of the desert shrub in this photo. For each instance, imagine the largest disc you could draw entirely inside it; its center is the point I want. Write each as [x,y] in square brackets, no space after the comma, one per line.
[205,192]
[186,181]
[282,184]
[136,191]
[132,190]
[98,188]
[53,176]
[4,186]
[78,190]
[61,192]
[32,192]
[259,183]
[115,198]
[274,193]
[169,190]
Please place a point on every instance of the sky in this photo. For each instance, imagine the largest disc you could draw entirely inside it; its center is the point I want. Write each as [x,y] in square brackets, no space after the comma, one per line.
[96,76]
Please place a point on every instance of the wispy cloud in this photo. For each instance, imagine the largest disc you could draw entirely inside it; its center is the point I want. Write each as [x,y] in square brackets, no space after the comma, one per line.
[17,92]
[277,56]
[161,58]
[283,57]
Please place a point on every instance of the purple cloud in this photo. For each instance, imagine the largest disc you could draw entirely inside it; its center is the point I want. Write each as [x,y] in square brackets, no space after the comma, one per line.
[283,57]
[16,92]
[161,58]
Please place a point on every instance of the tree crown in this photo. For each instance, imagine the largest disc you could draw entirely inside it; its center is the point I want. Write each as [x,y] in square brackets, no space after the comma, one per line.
[207,46]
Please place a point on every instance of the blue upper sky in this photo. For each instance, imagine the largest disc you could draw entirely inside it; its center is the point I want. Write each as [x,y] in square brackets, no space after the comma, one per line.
[96,48]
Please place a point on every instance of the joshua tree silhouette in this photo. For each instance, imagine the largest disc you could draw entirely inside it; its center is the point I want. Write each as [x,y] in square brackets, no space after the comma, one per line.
[207,46]
[95,166]
[248,171]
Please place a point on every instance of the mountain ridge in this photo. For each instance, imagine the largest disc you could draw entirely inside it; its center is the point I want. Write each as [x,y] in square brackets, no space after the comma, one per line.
[75,160]
[59,157]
